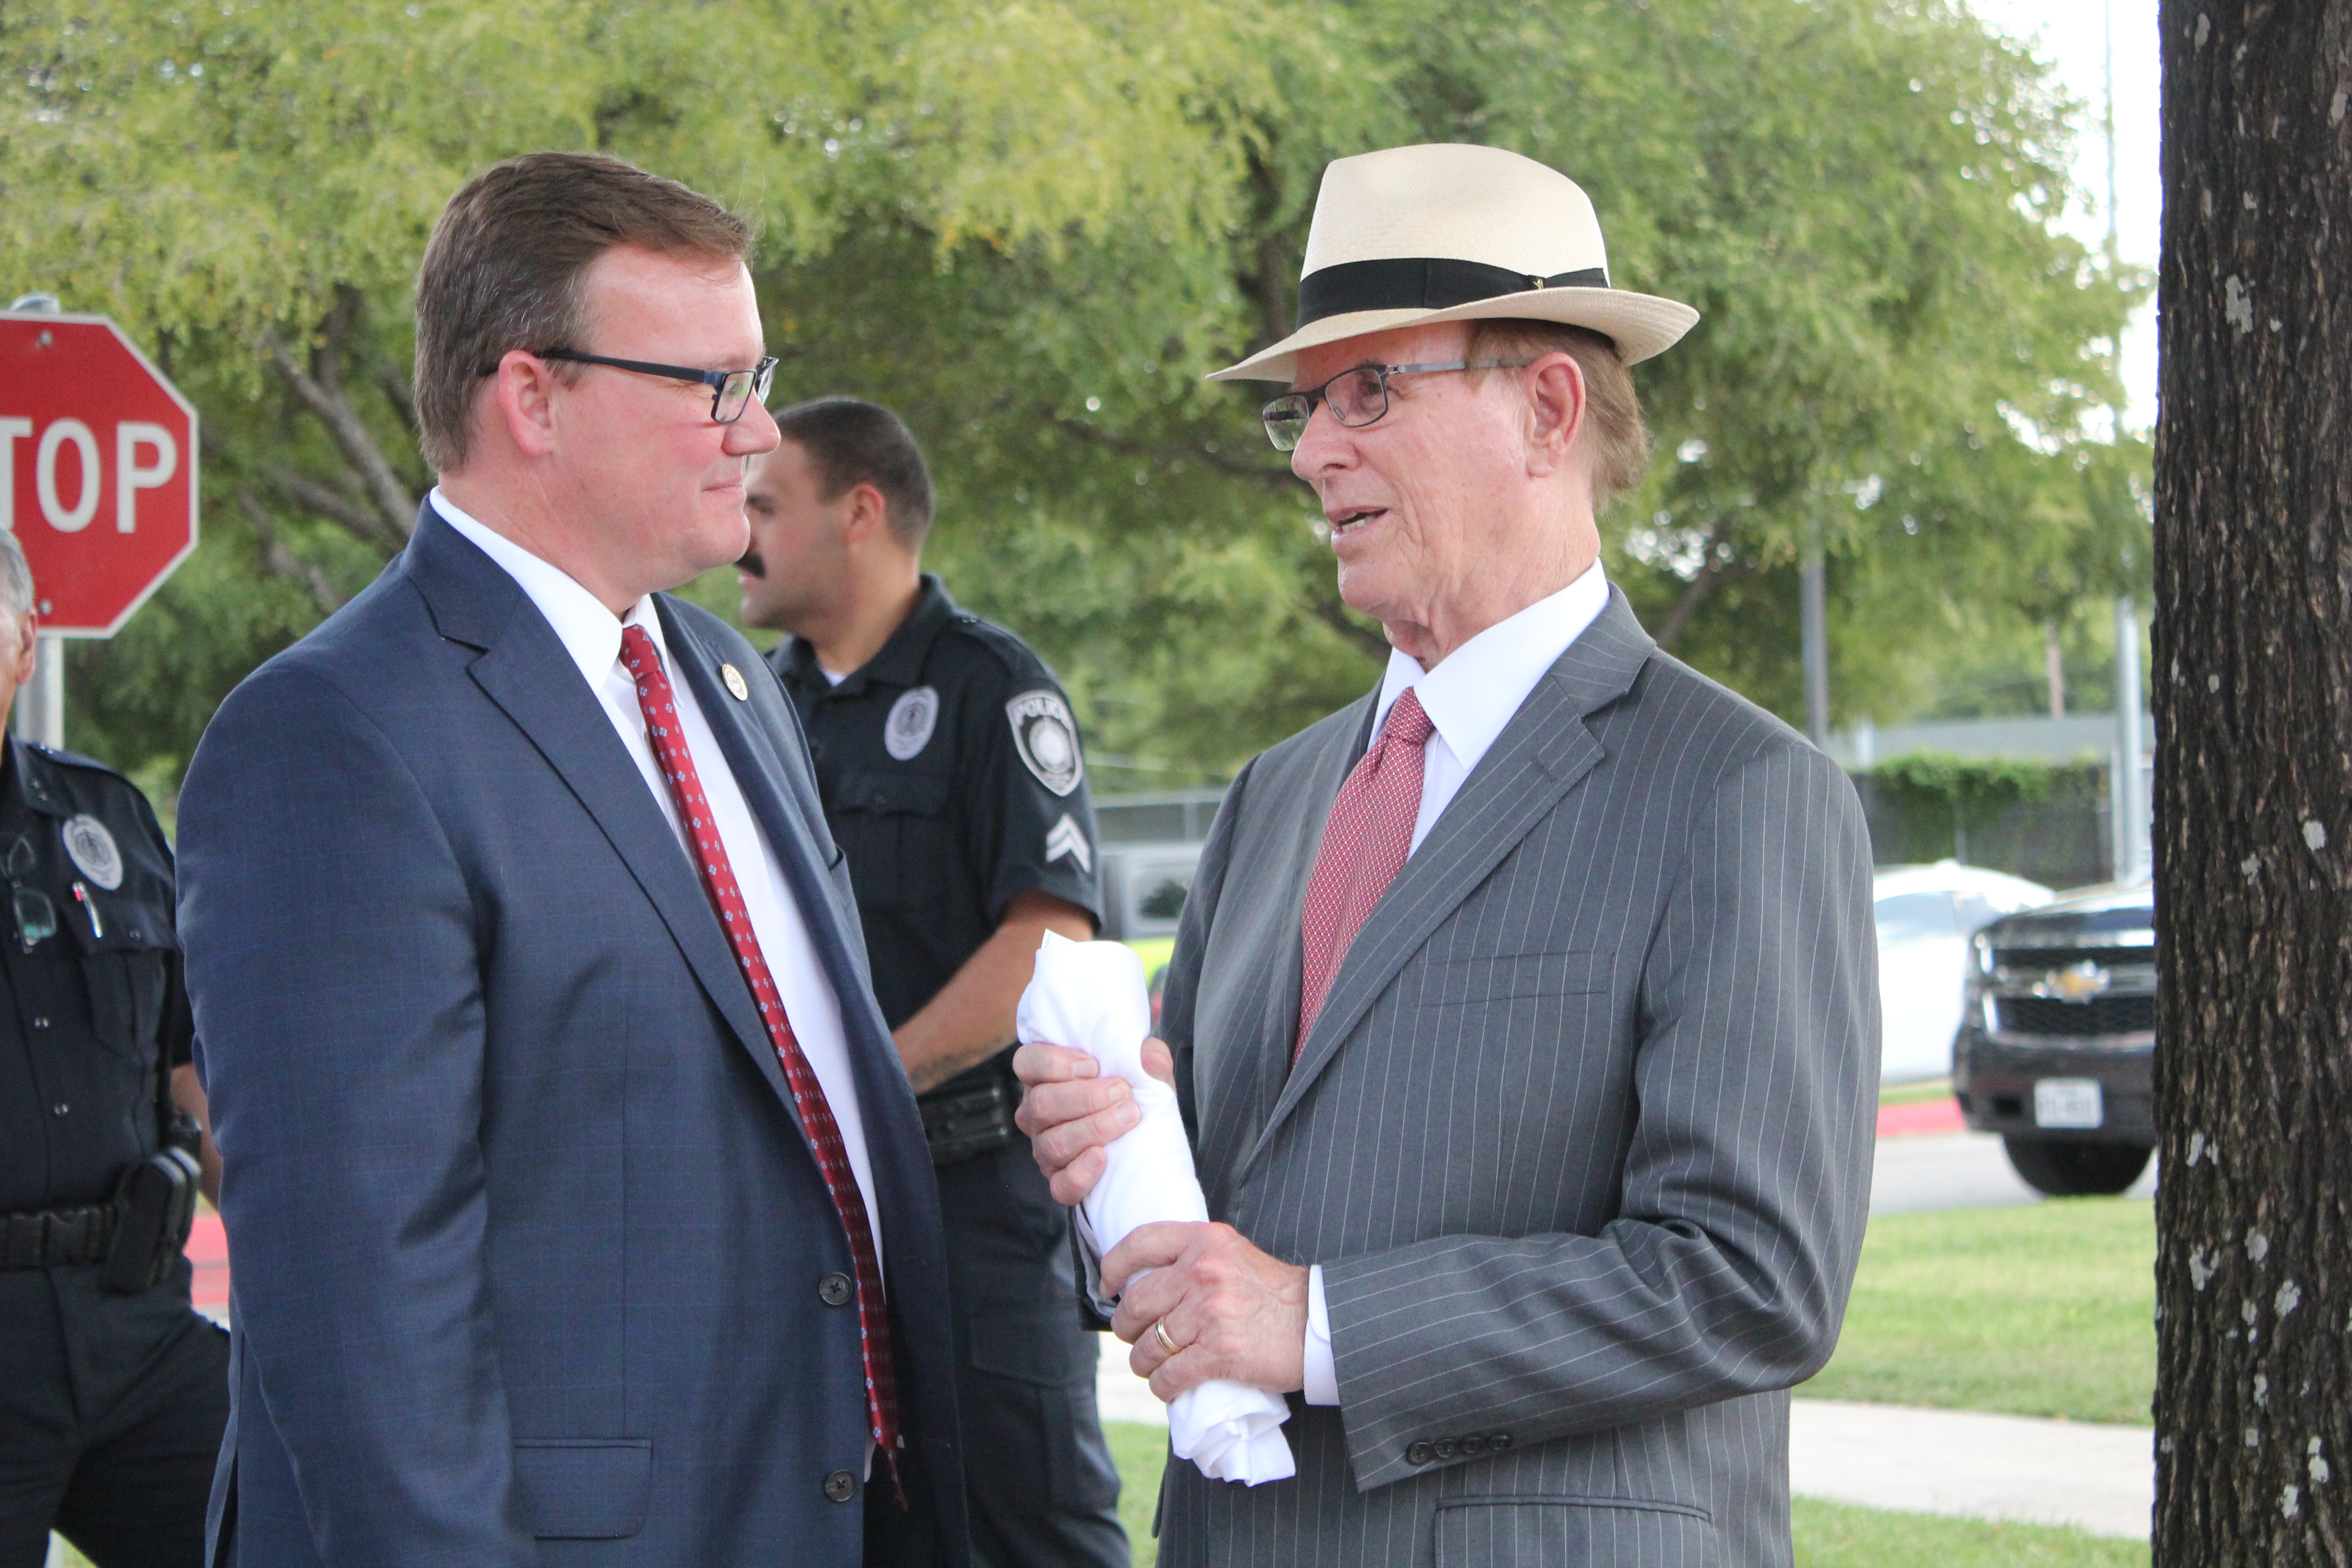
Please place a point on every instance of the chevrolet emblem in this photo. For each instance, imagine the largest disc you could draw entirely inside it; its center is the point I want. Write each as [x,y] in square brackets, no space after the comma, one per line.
[2079,982]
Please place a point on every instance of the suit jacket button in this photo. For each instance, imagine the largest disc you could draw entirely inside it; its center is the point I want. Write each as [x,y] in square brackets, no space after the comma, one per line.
[1419,1454]
[1447,1447]
[834,1289]
[1499,1441]
[840,1486]
[1472,1446]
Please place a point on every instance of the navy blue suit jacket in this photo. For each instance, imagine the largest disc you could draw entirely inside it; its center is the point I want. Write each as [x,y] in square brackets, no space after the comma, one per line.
[526,1238]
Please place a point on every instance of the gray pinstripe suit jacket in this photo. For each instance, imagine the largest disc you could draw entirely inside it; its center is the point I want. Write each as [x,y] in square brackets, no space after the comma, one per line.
[1582,1138]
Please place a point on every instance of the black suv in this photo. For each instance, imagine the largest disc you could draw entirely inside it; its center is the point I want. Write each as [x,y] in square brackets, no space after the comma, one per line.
[2057,1040]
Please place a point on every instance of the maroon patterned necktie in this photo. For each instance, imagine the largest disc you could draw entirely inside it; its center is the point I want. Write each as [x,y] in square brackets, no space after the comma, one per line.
[1365,843]
[660,708]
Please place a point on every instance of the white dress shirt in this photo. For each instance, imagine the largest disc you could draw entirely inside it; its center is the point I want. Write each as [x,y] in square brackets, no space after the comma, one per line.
[591,635]
[1470,697]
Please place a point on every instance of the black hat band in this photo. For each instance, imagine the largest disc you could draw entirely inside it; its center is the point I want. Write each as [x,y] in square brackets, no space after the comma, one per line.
[1422,283]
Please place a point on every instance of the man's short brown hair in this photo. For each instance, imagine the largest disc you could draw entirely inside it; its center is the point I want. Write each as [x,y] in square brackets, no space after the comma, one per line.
[1620,441]
[852,442]
[503,267]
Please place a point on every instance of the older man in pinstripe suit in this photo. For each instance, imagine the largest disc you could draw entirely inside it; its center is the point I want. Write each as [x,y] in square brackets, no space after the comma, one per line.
[1524,1012]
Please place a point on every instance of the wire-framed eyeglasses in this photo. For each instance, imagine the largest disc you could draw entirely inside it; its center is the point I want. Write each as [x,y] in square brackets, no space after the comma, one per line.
[732,391]
[36,917]
[1356,398]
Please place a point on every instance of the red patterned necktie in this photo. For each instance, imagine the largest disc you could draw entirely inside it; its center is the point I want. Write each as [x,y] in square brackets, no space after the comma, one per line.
[1365,842]
[660,708]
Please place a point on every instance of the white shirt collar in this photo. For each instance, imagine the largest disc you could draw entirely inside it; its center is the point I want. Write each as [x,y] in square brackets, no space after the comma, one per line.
[588,631]
[1476,689]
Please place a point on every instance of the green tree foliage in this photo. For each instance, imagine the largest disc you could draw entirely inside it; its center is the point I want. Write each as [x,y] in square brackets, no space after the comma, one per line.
[1034,227]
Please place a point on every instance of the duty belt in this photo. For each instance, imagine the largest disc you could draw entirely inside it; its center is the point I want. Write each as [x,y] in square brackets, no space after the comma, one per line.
[962,1124]
[56,1239]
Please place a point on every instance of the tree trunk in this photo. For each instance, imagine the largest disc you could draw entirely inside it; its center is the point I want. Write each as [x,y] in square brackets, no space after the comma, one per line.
[2253,848]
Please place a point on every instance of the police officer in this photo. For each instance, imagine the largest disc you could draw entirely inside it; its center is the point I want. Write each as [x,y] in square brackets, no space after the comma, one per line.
[952,777]
[113,1392]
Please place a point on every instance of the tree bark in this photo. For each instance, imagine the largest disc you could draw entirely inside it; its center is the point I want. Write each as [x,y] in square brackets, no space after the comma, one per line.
[2253,846]
[1712,570]
[281,561]
[320,388]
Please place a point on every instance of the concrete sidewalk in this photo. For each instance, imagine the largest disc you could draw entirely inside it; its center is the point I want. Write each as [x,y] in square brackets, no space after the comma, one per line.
[1965,1462]
[1959,1462]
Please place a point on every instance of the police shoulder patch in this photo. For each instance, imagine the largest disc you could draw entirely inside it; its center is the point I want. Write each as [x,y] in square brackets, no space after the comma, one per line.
[908,728]
[1047,739]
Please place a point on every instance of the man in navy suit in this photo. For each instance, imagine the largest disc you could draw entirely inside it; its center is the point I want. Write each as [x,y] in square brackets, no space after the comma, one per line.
[578,1207]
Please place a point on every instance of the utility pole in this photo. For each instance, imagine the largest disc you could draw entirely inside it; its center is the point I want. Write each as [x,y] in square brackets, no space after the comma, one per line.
[41,706]
[1813,601]
[2131,785]
[2129,794]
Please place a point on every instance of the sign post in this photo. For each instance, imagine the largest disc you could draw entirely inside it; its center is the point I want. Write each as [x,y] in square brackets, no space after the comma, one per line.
[98,481]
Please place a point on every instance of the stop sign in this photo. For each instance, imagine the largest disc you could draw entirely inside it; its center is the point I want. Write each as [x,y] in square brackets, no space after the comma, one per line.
[98,469]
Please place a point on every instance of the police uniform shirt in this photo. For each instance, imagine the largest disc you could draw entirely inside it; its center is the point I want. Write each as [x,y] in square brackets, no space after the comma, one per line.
[92,1012]
[111,1403]
[953,779]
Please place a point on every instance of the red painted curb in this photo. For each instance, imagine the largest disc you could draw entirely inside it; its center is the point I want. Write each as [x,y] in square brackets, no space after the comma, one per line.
[208,1250]
[1926,1116]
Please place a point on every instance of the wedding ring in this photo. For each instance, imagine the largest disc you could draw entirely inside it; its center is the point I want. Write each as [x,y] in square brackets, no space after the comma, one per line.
[1161,1328]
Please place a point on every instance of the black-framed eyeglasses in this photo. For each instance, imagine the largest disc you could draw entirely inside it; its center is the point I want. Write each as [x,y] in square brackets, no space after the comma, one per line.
[732,391]
[36,917]
[1356,398]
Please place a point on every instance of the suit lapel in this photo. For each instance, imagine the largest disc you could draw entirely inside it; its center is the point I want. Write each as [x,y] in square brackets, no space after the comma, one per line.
[782,798]
[1542,753]
[758,765]
[1248,1068]
[525,670]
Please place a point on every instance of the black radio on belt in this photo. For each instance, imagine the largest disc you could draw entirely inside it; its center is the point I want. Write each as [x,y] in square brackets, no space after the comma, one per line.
[155,1207]
[155,1201]
[962,1124]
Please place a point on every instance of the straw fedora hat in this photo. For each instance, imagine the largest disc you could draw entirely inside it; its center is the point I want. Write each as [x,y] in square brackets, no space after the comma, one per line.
[1451,233]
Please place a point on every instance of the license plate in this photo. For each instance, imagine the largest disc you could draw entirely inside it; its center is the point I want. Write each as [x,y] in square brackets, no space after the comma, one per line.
[2068,1102]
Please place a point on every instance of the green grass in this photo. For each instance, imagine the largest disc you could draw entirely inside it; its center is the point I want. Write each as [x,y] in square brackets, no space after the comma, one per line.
[2048,1311]
[1141,1452]
[1829,1535]
[1833,1535]
[1915,1093]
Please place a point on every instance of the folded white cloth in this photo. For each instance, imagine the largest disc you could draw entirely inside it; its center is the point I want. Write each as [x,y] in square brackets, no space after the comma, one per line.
[1090,996]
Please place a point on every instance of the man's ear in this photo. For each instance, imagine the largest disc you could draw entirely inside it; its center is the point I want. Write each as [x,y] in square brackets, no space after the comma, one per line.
[20,646]
[864,513]
[1556,408]
[521,401]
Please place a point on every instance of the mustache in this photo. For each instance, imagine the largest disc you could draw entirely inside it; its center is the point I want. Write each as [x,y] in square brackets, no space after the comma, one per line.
[751,563]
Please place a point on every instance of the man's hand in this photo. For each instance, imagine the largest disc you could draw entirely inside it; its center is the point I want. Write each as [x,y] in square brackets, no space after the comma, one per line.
[1071,1111]
[1231,1310]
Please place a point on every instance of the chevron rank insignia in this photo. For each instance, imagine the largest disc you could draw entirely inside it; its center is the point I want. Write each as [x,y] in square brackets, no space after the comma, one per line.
[1067,838]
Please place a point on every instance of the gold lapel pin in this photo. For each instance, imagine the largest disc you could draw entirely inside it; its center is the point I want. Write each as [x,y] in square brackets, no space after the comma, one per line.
[734,680]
